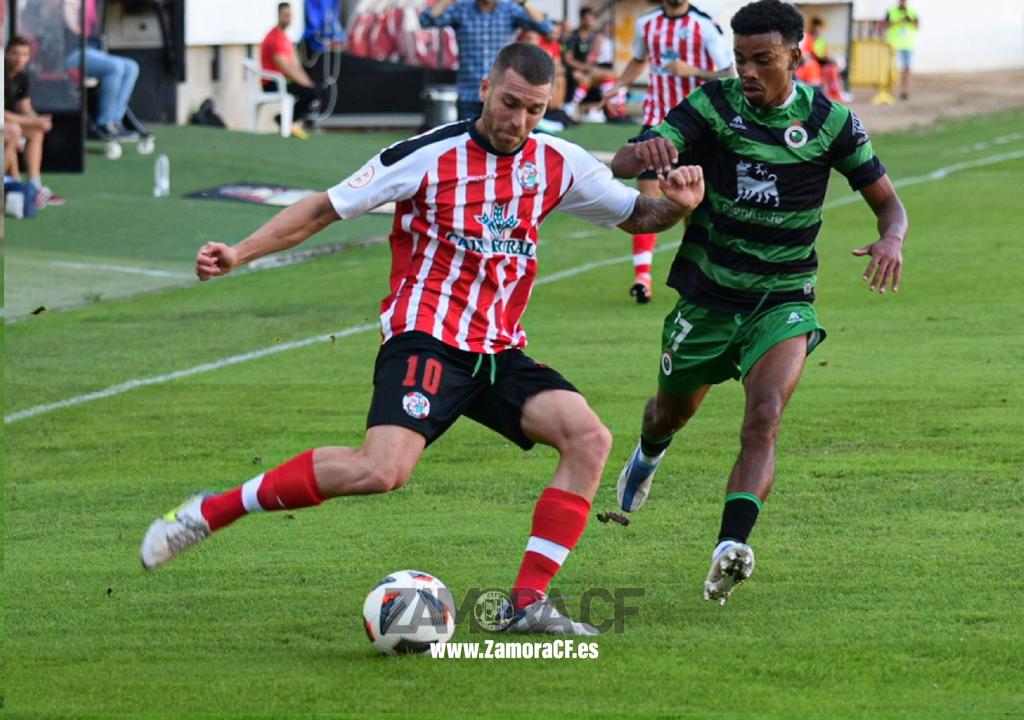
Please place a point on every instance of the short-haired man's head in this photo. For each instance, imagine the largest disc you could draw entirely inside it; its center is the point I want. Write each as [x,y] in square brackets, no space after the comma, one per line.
[817,23]
[17,41]
[768,16]
[281,6]
[586,12]
[529,61]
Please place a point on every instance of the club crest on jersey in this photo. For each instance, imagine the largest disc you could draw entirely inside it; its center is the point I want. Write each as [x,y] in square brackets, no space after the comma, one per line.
[416,405]
[497,223]
[683,32]
[795,136]
[527,176]
[756,183]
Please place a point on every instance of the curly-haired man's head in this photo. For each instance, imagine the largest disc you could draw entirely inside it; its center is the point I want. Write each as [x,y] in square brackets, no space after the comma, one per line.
[766,42]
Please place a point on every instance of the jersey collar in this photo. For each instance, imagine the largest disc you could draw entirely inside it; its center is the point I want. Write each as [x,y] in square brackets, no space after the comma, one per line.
[486,145]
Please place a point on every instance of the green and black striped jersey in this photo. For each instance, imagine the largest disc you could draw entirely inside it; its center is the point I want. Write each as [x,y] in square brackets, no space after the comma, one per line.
[750,243]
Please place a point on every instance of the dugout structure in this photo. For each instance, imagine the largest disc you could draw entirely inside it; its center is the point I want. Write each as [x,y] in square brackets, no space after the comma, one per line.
[56,89]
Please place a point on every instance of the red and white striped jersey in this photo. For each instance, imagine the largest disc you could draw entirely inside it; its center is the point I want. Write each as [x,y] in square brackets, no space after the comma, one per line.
[693,38]
[464,239]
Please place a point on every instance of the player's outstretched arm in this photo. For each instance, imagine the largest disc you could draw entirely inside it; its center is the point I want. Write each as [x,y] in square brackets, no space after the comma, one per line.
[886,265]
[287,229]
[683,189]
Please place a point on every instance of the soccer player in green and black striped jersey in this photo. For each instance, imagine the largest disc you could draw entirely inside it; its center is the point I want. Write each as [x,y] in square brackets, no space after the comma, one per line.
[745,271]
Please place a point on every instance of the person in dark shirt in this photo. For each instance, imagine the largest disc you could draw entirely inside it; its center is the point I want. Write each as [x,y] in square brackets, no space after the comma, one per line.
[579,59]
[22,124]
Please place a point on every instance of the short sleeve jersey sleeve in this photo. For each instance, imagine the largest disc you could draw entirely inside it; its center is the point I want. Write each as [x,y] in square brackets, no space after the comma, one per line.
[375,183]
[853,156]
[715,45]
[594,196]
[639,40]
[683,125]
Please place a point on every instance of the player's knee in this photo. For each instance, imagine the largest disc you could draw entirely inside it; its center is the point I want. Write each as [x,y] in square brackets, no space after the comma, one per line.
[762,421]
[592,443]
[384,479]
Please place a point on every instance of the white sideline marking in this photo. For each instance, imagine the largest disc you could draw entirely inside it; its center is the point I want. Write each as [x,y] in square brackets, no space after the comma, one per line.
[938,174]
[122,269]
[188,372]
[255,354]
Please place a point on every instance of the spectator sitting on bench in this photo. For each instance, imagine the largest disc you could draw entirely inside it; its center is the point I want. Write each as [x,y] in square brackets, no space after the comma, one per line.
[117,75]
[278,55]
[23,123]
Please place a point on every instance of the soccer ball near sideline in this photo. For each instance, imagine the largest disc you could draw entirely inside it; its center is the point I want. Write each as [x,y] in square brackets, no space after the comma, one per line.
[407,612]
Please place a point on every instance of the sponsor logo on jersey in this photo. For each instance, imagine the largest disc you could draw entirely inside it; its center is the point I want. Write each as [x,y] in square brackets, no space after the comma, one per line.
[509,246]
[858,129]
[756,183]
[361,178]
[498,223]
[527,176]
[667,58]
[477,178]
[416,405]
[795,136]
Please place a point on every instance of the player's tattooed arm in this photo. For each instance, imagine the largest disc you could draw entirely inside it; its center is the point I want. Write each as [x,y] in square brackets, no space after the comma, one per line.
[288,228]
[683,189]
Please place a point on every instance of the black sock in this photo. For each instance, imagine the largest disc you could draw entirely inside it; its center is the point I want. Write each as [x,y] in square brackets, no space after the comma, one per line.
[738,516]
[654,448]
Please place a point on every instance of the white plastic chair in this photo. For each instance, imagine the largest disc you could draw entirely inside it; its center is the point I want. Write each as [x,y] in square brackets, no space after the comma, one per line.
[255,76]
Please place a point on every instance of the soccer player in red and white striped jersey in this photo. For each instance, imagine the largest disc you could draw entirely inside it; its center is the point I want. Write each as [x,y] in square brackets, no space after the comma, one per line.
[470,197]
[684,47]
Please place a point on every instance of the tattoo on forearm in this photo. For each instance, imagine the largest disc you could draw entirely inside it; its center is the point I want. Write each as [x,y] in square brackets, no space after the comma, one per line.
[654,214]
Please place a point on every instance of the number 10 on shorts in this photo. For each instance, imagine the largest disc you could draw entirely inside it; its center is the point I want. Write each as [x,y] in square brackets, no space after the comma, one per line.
[432,370]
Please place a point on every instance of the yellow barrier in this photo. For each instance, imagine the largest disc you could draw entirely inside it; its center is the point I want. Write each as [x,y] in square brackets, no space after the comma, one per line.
[874,64]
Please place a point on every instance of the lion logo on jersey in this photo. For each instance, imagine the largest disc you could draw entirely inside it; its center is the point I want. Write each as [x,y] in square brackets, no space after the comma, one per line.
[755,183]
[497,223]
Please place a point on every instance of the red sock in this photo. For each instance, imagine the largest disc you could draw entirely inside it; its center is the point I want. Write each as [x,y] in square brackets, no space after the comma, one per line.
[558,522]
[286,487]
[643,254]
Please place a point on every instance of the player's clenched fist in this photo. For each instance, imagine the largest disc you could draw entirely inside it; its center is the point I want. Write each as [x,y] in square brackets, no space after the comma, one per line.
[658,155]
[684,186]
[215,259]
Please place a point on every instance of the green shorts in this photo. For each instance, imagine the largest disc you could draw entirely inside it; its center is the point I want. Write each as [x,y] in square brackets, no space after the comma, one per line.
[703,347]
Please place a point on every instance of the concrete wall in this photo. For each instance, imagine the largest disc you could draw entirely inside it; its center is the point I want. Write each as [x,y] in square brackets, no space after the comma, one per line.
[961,37]
[954,37]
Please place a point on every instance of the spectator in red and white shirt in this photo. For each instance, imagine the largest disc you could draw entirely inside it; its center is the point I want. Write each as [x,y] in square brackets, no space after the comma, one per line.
[278,55]
[470,197]
[684,47]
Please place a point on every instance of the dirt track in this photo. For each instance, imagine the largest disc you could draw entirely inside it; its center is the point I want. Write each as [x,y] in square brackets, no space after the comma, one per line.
[936,97]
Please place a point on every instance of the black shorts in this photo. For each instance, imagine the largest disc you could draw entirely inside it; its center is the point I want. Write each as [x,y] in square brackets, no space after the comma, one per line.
[424,385]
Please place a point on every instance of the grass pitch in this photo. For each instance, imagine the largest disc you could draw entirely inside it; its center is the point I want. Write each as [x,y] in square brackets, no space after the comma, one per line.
[889,581]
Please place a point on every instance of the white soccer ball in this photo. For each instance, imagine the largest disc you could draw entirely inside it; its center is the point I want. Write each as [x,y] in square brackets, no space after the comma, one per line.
[112,150]
[407,612]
